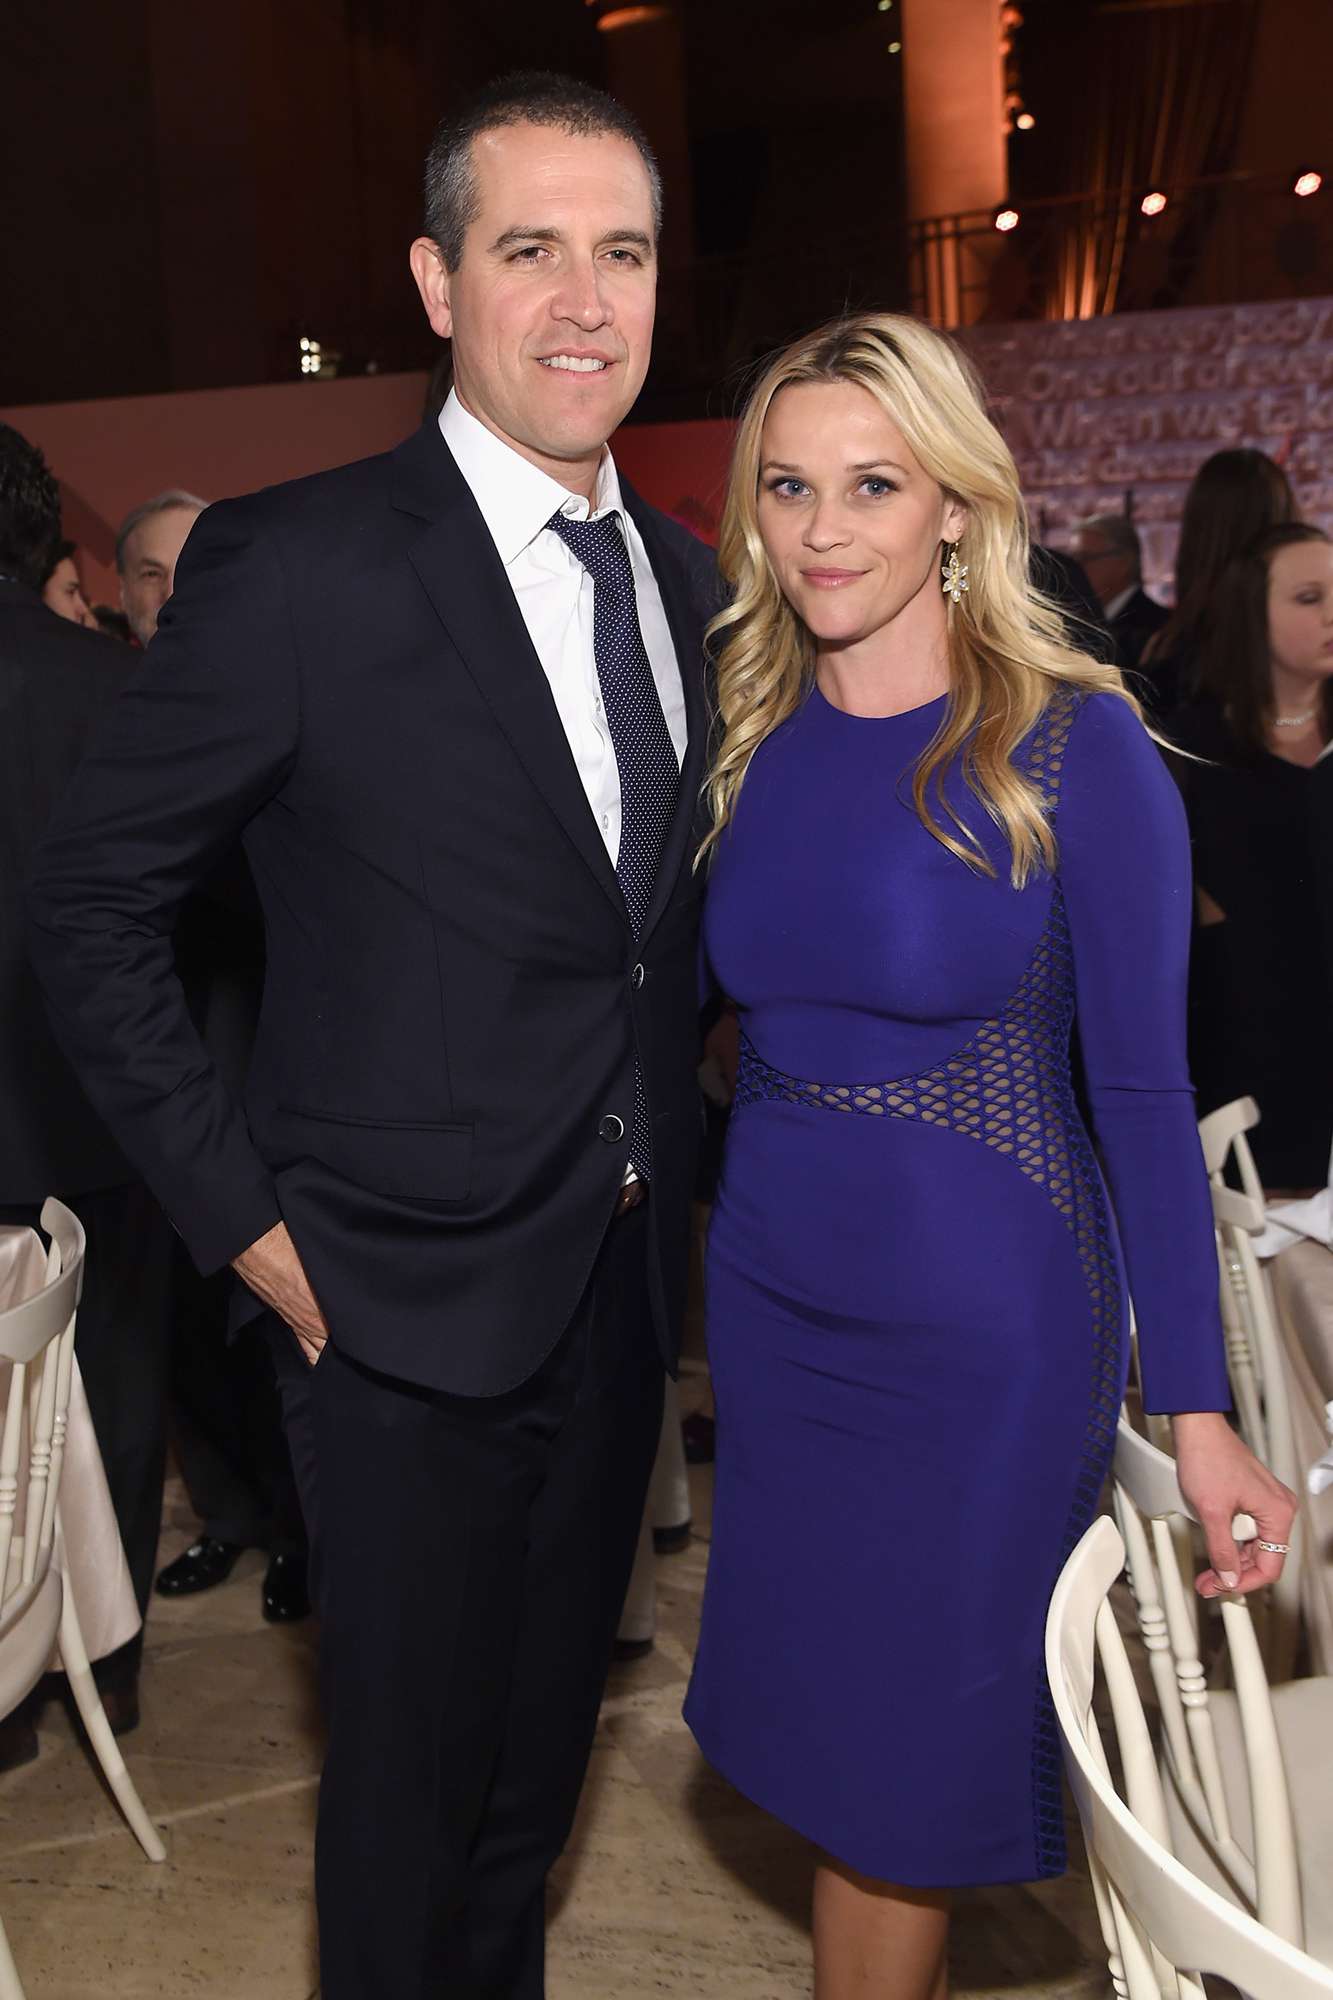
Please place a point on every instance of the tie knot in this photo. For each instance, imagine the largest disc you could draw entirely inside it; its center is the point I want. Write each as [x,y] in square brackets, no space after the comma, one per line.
[599,546]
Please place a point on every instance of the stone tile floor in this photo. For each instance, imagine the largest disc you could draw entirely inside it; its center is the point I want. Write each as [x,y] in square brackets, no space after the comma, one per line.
[674,1884]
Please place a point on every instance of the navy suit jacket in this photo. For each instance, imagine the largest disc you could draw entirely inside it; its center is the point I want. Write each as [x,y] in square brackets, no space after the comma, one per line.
[439,1100]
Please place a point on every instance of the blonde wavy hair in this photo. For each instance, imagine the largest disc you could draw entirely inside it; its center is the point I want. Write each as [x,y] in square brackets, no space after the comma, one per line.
[1009,652]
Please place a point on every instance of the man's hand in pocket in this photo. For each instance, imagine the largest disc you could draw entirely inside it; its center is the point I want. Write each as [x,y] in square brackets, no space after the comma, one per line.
[274,1272]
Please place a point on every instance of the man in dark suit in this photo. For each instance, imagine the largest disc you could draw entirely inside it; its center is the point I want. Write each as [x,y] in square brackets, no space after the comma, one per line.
[452,699]
[55,678]
[1107,545]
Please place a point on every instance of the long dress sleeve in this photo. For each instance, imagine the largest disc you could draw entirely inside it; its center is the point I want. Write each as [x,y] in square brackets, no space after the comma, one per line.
[1125,873]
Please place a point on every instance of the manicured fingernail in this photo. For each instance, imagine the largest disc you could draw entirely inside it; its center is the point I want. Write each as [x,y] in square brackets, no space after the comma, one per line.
[1228,1577]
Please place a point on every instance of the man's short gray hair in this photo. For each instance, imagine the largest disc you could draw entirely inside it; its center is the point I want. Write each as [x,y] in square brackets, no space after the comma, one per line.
[1119,534]
[163,503]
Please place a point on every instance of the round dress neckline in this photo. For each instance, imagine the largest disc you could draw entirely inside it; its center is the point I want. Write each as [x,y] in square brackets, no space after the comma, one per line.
[901,715]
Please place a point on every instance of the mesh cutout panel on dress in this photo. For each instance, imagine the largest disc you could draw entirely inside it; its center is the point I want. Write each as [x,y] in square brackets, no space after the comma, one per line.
[1010,1088]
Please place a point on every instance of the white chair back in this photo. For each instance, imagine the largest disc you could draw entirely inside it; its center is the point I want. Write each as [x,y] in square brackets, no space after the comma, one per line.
[39,1296]
[37,1341]
[1256,1360]
[1164,1929]
[1265,1875]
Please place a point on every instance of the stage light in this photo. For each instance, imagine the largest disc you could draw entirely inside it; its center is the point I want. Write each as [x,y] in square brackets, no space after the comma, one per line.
[1025,121]
[1153,204]
[628,17]
[1308,183]
[895,48]
[885,5]
[1006,219]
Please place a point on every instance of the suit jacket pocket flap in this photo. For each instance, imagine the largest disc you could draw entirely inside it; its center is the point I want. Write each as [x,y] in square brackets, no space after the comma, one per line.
[420,1162]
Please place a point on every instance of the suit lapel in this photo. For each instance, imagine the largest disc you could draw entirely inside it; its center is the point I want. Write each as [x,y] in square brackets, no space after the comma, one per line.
[462,575]
[464,579]
[687,635]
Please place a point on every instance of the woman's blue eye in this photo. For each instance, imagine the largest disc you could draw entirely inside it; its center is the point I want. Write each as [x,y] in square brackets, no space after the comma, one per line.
[784,487]
[877,486]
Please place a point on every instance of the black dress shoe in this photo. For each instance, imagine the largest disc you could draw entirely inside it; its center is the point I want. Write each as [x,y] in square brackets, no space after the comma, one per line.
[670,1541]
[286,1590]
[631,1649]
[205,1563]
[120,1705]
[18,1738]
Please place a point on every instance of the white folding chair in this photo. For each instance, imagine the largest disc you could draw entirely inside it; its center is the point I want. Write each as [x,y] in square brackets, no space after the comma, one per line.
[1257,1363]
[1222,1137]
[1245,1769]
[37,1341]
[1165,1930]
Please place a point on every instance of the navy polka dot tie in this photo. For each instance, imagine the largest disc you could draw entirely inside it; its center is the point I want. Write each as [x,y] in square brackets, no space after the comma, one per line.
[645,754]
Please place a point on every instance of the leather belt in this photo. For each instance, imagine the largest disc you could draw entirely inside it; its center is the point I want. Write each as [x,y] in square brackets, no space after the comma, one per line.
[630,1196]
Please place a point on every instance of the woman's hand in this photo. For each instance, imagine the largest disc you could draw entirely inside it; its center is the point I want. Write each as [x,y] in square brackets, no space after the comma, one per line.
[1221,1477]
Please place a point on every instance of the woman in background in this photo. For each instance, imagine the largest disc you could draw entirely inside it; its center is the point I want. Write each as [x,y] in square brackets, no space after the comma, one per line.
[939,831]
[1235,496]
[1260,812]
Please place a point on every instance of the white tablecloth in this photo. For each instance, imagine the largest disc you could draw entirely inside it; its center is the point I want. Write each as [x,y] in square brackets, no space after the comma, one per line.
[90,1549]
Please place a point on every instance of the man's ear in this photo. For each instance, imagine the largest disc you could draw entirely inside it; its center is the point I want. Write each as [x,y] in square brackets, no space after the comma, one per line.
[433,283]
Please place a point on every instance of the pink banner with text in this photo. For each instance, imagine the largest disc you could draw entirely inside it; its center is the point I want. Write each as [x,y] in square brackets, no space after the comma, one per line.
[1100,411]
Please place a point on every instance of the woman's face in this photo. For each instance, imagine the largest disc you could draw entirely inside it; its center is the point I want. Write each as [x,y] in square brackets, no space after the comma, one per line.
[851,523]
[1300,610]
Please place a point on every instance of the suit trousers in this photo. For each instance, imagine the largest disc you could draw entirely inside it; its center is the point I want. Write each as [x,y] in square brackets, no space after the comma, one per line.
[120,1337]
[469,1557]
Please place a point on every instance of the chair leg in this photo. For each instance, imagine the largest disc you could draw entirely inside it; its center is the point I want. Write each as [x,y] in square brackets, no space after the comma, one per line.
[74,1658]
[11,1986]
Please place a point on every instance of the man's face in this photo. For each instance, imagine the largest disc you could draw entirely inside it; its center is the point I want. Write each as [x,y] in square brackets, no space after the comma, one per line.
[149,575]
[551,308]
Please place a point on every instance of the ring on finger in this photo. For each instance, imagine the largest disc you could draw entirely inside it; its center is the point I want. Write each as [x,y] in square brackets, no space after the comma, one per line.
[1274,1548]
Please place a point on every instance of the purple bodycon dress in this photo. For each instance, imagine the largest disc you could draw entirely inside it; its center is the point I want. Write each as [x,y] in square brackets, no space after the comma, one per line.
[917,1306]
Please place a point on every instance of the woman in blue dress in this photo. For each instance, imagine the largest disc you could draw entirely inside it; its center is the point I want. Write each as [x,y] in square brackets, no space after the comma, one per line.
[940,836]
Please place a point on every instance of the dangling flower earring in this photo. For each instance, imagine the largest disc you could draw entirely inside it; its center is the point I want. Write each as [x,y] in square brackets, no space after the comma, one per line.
[955,576]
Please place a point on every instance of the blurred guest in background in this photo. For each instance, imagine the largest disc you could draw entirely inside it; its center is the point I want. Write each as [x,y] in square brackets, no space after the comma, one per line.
[54,679]
[1062,578]
[1107,545]
[62,590]
[1261,813]
[225,1414]
[147,550]
[1235,496]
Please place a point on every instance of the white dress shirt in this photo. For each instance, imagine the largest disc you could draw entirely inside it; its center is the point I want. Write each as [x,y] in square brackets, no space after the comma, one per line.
[1115,605]
[555,595]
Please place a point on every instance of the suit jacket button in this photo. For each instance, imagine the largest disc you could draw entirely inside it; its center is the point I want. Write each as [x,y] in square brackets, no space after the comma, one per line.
[636,978]
[611,1128]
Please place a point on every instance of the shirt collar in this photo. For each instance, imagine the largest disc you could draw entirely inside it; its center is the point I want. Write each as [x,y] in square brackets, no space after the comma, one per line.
[1115,605]
[516,498]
